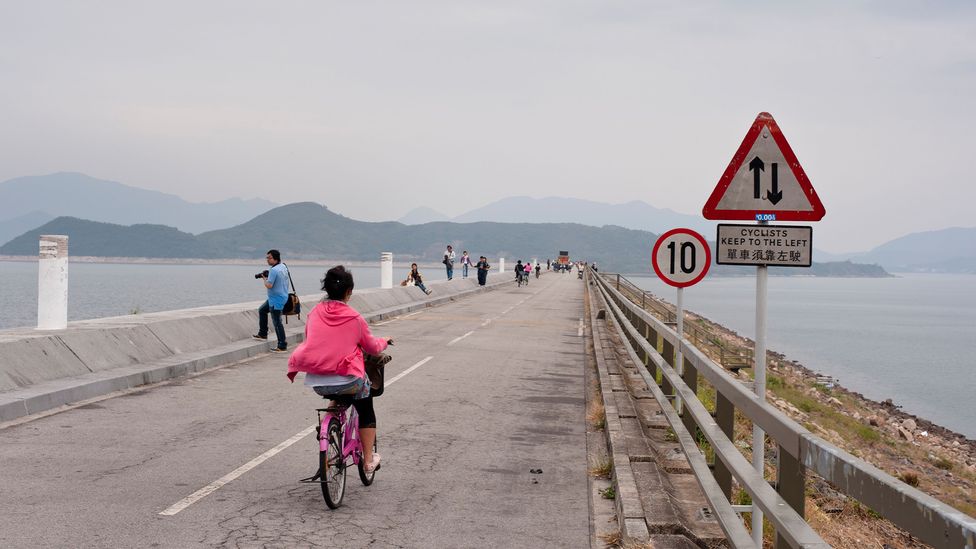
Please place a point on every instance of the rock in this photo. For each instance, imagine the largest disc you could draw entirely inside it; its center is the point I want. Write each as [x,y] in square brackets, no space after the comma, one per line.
[955,443]
[856,416]
[910,425]
[874,421]
[905,434]
[887,402]
[835,401]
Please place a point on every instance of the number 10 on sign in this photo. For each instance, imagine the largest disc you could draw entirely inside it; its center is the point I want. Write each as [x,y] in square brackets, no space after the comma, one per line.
[681,257]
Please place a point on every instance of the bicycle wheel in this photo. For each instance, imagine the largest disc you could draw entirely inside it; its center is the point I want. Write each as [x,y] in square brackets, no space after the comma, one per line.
[333,467]
[367,478]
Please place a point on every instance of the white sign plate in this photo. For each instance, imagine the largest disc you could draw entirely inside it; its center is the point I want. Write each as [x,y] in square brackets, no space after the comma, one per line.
[771,245]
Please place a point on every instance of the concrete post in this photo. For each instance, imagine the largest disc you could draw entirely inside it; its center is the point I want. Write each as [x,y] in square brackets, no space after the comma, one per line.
[52,283]
[386,270]
[501,264]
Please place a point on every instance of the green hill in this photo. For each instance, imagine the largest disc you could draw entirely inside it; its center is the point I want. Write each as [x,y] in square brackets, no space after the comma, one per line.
[307,230]
[110,240]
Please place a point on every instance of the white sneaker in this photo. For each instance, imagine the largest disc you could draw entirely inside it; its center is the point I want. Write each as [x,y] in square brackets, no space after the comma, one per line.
[374,464]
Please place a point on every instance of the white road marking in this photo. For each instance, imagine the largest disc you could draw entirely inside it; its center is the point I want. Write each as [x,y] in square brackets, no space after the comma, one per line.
[408,370]
[459,338]
[579,332]
[217,484]
[394,319]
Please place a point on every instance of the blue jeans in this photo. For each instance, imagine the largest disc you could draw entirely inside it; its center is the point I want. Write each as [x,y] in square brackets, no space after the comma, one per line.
[464,270]
[279,328]
[450,271]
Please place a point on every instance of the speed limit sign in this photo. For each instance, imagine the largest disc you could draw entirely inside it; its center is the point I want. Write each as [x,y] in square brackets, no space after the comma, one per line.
[681,257]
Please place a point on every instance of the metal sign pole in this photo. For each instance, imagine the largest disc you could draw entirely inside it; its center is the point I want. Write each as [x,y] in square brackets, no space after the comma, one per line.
[759,371]
[679,363]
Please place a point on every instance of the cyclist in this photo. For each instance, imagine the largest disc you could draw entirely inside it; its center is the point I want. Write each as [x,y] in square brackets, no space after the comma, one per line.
[336,336]
[528,271]
[519,272]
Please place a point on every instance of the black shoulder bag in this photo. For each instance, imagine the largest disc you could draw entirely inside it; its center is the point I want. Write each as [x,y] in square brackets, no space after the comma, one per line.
[292,306]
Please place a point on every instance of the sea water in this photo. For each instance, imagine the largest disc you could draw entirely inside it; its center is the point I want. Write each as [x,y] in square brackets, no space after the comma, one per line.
[911,338]
[97,290]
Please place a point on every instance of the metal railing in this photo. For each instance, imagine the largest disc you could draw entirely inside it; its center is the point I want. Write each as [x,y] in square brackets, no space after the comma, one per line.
[782,501]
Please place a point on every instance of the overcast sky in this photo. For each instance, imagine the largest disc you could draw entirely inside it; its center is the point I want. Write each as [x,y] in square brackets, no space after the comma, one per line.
[374,108]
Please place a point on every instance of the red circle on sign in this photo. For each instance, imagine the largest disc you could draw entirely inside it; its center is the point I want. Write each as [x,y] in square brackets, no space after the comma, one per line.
[667,236]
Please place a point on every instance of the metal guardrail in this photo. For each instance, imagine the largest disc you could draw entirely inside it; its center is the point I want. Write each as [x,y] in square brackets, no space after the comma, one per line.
[919,514]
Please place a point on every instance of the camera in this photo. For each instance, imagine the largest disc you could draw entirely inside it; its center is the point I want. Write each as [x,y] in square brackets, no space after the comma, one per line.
[262,274]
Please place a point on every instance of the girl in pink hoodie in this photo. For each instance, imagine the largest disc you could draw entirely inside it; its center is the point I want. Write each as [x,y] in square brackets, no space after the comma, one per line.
[336,336]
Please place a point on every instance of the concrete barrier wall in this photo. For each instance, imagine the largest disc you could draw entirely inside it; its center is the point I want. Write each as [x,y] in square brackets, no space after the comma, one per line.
[28,356]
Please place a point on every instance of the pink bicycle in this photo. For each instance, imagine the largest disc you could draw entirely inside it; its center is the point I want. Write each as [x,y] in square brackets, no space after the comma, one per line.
[339,447]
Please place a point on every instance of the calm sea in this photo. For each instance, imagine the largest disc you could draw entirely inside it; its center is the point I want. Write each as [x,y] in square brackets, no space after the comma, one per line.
[910,338]
[98,290]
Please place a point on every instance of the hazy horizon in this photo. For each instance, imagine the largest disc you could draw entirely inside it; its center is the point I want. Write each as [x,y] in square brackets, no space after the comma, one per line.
[376,108]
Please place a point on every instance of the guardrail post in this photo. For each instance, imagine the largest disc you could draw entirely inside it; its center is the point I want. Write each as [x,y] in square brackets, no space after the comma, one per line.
[618,282]
[690,377]
[668,354]
[791,485]
[643,298]
[725,419]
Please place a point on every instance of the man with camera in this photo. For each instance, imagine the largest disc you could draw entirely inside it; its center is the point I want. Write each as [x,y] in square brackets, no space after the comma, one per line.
[276,281]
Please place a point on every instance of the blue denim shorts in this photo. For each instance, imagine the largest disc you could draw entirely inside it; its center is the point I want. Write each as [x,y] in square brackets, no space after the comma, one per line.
[357,389]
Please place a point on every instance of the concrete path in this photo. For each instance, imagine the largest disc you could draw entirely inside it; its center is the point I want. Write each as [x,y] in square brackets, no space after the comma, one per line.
[500,395]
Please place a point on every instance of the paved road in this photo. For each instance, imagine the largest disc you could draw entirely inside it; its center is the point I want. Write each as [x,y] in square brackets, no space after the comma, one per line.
[502,394]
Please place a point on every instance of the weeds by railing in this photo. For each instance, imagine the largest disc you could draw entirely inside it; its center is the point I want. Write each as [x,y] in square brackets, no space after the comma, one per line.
[653,342]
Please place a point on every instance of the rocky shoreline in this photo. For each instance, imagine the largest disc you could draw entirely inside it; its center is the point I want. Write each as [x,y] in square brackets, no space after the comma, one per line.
[937,460]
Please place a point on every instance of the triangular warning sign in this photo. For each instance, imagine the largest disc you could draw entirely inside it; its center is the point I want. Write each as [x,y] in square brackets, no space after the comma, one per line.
[764,181]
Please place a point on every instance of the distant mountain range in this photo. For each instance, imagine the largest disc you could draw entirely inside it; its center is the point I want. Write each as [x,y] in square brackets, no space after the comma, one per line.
[523,209]
[310,231]
[90,210]
[38,199]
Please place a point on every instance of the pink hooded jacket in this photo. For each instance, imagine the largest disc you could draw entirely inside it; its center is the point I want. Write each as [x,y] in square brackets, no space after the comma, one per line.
[336,336]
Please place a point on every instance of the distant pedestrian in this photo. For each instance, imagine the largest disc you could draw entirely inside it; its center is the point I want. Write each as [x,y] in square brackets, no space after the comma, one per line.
[482,267]
[465,263]
[548,264]
[538,269]
[449,261]
[418,281]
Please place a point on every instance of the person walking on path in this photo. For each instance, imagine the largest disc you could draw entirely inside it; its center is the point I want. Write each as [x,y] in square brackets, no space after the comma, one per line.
[336,337]
[482,267]
[465,263]
[449,261]
[538,269]
[276,281]
[417,280]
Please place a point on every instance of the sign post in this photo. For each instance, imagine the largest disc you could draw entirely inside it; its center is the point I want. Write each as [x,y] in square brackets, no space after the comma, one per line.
[681,258]
[763,182]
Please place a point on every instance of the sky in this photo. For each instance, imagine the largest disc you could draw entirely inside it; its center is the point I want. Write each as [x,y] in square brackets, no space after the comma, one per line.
[375,108]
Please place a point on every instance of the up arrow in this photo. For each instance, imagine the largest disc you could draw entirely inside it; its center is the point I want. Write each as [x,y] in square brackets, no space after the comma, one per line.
[755,167]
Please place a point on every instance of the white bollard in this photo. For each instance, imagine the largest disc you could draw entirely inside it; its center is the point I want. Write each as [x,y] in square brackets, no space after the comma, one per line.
[386,270]
[501,264]
[52,283]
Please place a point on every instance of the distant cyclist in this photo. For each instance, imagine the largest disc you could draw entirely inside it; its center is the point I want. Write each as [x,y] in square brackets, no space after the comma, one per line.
[519,271]
[336,336]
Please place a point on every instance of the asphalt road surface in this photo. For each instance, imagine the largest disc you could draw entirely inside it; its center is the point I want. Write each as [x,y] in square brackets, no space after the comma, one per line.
[501,394]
